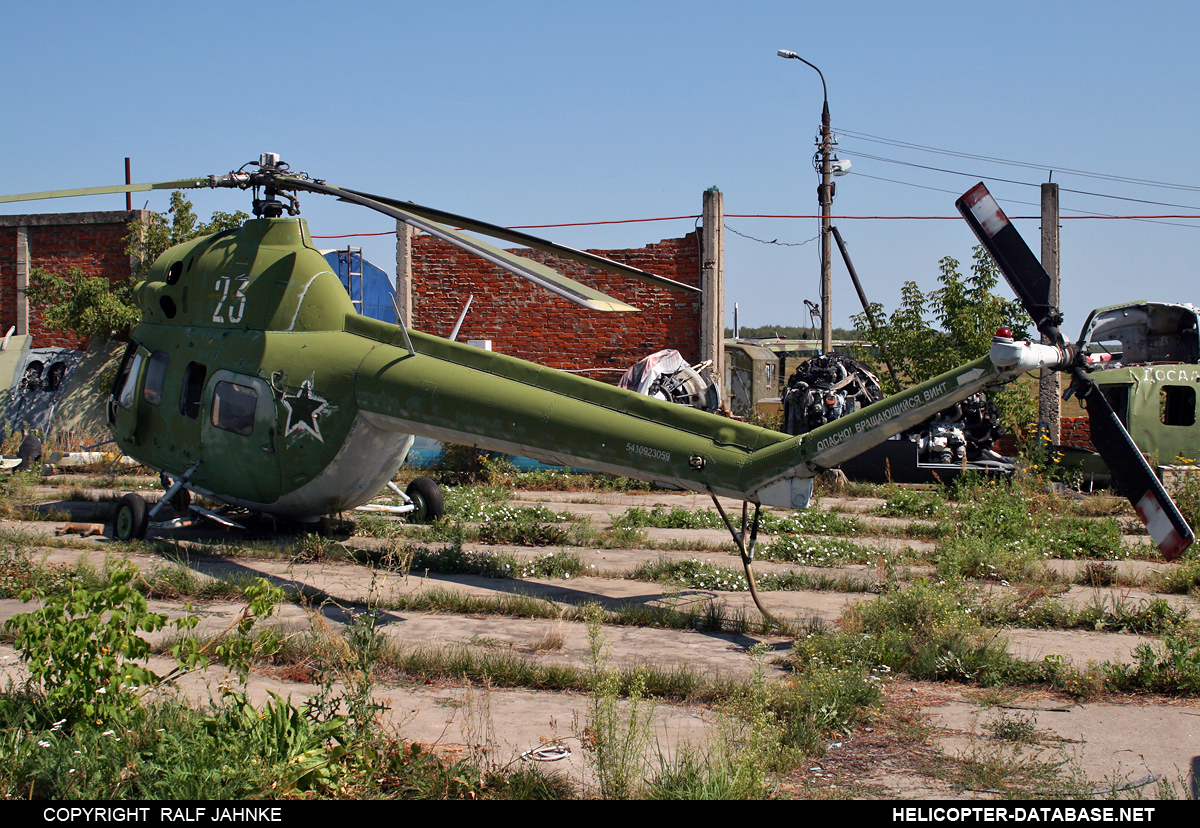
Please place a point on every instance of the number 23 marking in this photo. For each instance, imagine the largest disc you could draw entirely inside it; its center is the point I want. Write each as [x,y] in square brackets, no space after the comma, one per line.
[239,298]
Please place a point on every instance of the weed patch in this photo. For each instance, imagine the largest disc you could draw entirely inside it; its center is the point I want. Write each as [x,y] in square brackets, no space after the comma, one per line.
[925,631]
[912,503]
[616,737]
[676,518]
[698,574]
[19,573]
[1171,666]
[1108,614]
[813,521]
[824,551]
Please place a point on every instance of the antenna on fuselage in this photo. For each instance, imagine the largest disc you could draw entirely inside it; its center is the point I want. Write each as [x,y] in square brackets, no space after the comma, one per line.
[403,327]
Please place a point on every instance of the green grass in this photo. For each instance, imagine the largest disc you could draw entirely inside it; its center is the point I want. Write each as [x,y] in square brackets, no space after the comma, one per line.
[19,571]
[1186,494]
[454,559]
[697,574]
[904,502]
[1181,577]
[1171,666]
[676,518]
[932,631]
[814,521]
[232,751]
[823,551]
[110,744]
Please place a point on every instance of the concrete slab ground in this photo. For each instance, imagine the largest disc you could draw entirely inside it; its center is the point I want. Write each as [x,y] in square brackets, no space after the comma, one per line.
[1107,739]
[1108,743]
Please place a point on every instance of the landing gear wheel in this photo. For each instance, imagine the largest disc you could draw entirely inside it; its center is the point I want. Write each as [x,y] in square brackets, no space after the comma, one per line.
[427,497]
[133,517]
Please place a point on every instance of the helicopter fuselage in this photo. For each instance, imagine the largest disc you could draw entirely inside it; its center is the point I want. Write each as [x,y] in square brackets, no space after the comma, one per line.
[252,374]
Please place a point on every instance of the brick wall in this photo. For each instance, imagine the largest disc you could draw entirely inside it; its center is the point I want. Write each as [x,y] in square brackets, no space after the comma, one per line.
[529,322]
[8,278]
[93,242]
[1076,432]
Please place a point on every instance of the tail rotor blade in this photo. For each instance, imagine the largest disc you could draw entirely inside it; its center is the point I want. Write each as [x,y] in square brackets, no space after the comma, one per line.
[1131,474]
[1016,261]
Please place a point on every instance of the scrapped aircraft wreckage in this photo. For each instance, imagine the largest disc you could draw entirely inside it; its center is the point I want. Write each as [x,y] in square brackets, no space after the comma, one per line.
[51,389]
[960,437]
[666,375]
[1145,359]
[252,380]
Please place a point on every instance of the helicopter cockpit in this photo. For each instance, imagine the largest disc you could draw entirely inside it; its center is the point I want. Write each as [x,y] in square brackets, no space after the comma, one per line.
[1142,332]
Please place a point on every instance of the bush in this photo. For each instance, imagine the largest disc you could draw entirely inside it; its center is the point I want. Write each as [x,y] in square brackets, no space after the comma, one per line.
[83,647]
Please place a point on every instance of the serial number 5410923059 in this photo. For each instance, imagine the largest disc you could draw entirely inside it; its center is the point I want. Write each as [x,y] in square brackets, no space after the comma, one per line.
[646,451]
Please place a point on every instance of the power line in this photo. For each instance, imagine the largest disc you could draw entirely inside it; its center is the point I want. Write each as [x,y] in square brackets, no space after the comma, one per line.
[773,241]
[1024,183]
[843,218]
[589,223]
[1049,167]
[1147,219]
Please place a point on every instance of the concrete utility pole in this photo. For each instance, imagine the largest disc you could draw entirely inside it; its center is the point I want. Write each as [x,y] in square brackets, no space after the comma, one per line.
[712,283]
[404,272]
[1050,390]
[825,199]
[825,196]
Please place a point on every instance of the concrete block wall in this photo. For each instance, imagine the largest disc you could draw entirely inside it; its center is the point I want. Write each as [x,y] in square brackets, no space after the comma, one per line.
[529,322]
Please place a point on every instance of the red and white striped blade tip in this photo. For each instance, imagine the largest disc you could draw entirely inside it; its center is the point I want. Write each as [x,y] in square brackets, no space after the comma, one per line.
[985,209]
[1158,524]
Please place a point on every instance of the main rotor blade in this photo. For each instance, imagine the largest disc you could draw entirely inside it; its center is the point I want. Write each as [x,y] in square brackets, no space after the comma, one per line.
[182,184]
[1131,474]
[517,237]
[535,272]
[1020,267]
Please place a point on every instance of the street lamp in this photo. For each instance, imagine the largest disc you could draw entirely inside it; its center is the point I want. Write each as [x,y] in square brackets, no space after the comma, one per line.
[825,198]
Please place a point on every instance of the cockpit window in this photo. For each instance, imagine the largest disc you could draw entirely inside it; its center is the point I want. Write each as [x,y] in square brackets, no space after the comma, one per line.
[233,407]
[156,373]
[129,385]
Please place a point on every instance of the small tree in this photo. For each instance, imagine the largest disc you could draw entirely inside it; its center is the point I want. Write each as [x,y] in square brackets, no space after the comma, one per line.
[94,306]
[87,306]
[931,333]
[147,240]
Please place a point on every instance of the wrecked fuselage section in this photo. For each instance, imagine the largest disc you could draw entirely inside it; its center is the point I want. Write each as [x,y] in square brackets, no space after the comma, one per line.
[1145,356]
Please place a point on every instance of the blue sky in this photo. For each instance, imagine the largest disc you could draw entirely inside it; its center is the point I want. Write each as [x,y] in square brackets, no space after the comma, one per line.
[540,112]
